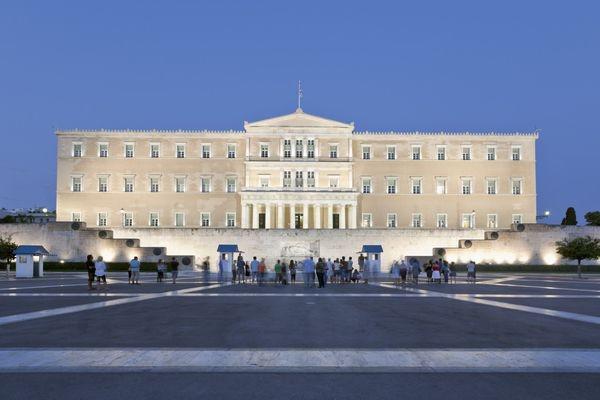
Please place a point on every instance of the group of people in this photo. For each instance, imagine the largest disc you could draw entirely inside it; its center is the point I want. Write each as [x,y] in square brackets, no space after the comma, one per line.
[434,270]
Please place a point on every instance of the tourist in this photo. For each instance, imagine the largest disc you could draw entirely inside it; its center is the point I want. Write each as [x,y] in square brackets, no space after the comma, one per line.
[366,270]
[161,267]
[134,267]
[395,272]
[355,276]
[309,272]
[283,273]
[350,267]
[292,271]
[262,271]
[320,268]
[233,267]
[329,270]
[452,273]
[361,263]
[435,272]
[254,269]
[416,270]
[206,268]
[241,269]
[344,269]
[429,270]
[100,272]
[471,271]
[248,274]
[336,270]
[403,271]
[174,264]
[90,266]
[277,268]
[445,270]
[223,266]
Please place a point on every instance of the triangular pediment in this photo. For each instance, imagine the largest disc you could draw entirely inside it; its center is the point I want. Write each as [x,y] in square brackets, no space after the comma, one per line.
[298,119]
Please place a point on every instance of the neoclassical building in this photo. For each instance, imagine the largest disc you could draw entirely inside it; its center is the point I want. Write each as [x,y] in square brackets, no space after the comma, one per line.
[296,171]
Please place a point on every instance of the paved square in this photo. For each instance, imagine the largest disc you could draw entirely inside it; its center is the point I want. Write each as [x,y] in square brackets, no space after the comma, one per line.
[529,335]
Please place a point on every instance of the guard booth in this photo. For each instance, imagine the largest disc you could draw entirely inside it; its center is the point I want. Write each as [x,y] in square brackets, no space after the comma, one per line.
[30,261]
[227,250]
[373,257]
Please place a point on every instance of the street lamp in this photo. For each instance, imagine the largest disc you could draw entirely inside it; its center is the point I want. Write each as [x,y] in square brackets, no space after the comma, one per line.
[545,215]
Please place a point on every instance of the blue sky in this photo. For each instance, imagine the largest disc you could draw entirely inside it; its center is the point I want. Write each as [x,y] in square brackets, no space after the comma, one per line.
[418,65]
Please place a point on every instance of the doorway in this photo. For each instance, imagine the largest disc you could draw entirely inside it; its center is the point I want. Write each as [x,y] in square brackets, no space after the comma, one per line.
[336,221]
[299,221]
[262,221]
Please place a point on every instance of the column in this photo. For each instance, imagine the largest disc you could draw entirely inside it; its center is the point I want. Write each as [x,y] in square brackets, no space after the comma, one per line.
[292,216]
[317,211]
[244,216]
[329,216]
[342,216]
[352,216]
[254,216]
[305,216]
[280,216]
[268,207]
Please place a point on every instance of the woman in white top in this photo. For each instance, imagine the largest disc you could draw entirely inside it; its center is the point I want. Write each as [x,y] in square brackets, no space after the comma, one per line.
[395,271]
[101,272]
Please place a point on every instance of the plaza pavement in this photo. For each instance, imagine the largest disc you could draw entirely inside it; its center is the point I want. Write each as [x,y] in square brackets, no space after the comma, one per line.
[520,336]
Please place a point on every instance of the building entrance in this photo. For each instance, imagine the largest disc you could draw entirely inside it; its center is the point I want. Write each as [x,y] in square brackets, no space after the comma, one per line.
[299,221]
[336,221]
[262,221]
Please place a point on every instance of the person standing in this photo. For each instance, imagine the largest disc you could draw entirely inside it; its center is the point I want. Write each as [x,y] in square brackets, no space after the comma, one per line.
[284,273]
[336,270]
[233,265]
[309,272]
[222,268]
[361,263]
[320,272]
[367,270]
[278,271]
[350,268]
[445,270]
[161,267]
[344,269]
[134,267]
[90,267]
[292,271]
[395,272]
[471,271]
[100,272]
[241,269]
[254,269]
[262,271]
[174,269]
[403,271]
[416,270]
[435,273]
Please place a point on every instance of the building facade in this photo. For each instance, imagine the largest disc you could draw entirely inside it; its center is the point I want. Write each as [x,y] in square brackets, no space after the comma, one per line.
[297,171]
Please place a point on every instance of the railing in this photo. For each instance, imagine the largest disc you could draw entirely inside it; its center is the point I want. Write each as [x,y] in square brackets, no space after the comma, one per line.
[293,159]
[298,189]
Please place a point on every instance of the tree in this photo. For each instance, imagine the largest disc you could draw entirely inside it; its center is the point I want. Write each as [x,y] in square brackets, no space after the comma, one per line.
[593,218]
[579,248]
[7,250]
[570,217]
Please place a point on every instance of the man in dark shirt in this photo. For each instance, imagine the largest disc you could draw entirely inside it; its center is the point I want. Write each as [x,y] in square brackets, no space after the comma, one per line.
[90,266]
[174,264]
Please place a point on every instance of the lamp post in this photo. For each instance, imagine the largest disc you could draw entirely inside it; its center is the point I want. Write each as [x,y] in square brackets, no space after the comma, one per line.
[543,216]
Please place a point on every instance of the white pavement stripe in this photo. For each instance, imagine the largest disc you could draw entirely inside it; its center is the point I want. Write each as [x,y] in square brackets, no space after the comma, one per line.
[545,287]
[314,360]
[92,306]
[44,286]
[96,294]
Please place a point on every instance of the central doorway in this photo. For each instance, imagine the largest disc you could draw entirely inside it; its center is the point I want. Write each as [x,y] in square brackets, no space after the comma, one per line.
[298,222]
[262,221]
[336,221]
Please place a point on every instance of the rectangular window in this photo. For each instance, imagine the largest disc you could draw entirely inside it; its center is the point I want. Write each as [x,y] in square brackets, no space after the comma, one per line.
[441,153]
[415,185]
[391,152]
[180,150]
[287,179]
[179,219]
[441,220]
[416,152]
[491,153]
[129,150]
[103,150]
[102,219]
[180,184]
[366,152]
[310,179]
[468,221]
[76,185]
[231,185]
[299,148]
[76,217]
[128,184]
[154,150]
[77,150]
[516,153]
[310,148]
[230,220]
[287,148]
[127,219]
[367,220]
[205,185]
[417,221]
[103,184]
[205,220]
[334,182]
[517,219]
[154,221]
[231,151]
[391,220]
[206,151]
[299,179]
[491,186]
[264,151]
[492,221]
[516,186]
[263,181]
[333,151]
[440,186]
[466,153]
[391,185]
[466,186]
[154,185]
[366,185]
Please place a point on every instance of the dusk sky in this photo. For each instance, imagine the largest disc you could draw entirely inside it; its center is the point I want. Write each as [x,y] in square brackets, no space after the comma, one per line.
[397,65]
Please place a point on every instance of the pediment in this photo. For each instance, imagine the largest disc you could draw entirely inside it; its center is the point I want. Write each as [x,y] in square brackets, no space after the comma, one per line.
[298,119]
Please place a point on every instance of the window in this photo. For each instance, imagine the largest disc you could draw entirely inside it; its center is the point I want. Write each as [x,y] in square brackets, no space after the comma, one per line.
[180,184]
[205,220]
[299,179]
[417,221]
[391,152]
[517,219]
[231,185]
[516,186]
[205,185]
[334,181]
[416,152]
[441,220]
[287,148]
[287,179]
[103,184]
[154,150]
[129,150]
[310,148]
[180,150]
[468,221]
[127,219]
[333,151]
[491,153]
[263,181]
[76,183]
[103,150]
[415,184]
[440,185]
[264,151]
[206,151]
[102,219]
[466,153]
[154,185]
[77,150]
[366,185]
[516,153]
[491,186]
[391,220]
[231,151]
[466,186]
[128,181]
[76,217]
[179,219]
[441,153]
[310,179]
[154,221]
[366,152]
[230,220]
[367,220]
[391,185]
[492,221]
[299,148]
